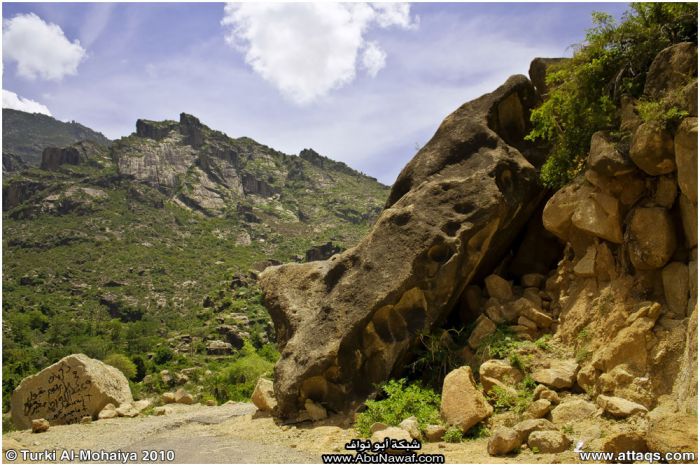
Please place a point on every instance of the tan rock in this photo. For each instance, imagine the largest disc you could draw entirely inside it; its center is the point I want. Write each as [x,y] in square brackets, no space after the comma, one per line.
[526,427]
[572,411]
[666,191]
[162,411]
[548,441]
[605,158]
[108,412]
[210,402]
[538,409]
[140,405]
[127,410]
[167,397]
[502,370]
[395,433]
[86,420]
[315,410]
[689,216]
[434,432]
[503,440]
[676,287]
[489,384]
[671,69]
[40,425]
[483,328]
[598,214]
[673,432]
[525,308]
[410,425]
[182,397]
[585,267]
[86,385]
[463,405]
[264,396]
[619,407]
[652,238]
[525,322]
[652,150]
[533,295]
[629,119]
[557,213]
[621,442]
[498,288]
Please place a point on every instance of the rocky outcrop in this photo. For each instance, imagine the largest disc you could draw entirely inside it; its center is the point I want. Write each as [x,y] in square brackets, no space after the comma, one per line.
[538,72]
[54,157]
[12,163]
[65,392]
[462,404]
[671,68]
[322,252]
[455,208]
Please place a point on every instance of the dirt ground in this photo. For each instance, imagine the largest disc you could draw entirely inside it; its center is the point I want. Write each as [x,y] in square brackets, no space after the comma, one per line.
[231,433]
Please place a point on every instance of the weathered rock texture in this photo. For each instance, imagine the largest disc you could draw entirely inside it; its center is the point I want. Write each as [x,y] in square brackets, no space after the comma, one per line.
[65,392]
[345,324]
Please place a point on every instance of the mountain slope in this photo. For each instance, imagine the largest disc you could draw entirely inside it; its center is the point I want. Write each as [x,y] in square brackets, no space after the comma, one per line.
[26,135]
[147,248]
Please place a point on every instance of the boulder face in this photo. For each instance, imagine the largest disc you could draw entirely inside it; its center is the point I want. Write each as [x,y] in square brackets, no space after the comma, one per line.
[346,324]
[54,157]
[65,392]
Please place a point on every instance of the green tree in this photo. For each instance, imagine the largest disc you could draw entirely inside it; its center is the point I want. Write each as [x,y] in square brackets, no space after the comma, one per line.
[123,363]
[612,61]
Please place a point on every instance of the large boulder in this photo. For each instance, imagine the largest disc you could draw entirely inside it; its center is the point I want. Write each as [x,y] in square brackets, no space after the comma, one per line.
[605,158]
[675,277]
[651,238]
[652,149]
[54,157]
[686,148]
[558,374]
[538,72]
[452,213]
[503,441]
[463,405]
[65,392]
[671,69]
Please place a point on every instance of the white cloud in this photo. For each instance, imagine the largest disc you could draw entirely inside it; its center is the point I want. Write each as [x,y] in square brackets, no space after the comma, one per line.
[308,49]
[15,102]
[373,58]
[40,49]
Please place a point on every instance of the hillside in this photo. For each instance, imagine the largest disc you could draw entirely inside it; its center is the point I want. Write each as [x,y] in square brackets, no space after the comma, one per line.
[26,135]
[149,248]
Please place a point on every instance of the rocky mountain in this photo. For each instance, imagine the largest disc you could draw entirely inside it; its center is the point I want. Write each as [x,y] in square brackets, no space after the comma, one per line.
[152,244]
[26,135]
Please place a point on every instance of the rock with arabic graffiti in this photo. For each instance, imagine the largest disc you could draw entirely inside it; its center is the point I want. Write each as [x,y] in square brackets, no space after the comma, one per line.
[65,392]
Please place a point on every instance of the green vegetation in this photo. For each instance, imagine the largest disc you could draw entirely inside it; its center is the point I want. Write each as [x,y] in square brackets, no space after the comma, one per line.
[498,345]
[664,111]
[453,435]
[236,380]
[612,61]
[123,363]
[401,400]
[516,400]
[436,356]
[478,431]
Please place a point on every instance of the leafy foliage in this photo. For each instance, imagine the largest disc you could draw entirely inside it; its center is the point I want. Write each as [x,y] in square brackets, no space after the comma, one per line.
[437,356]
[236,381]
[402,401]
[453,435]
[612,61]
[123,363]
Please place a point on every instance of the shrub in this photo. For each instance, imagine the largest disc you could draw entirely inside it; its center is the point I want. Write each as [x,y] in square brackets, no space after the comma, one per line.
[402,401]
[123,363]
[612,61]
[453,435]
[436,357]
[237,381]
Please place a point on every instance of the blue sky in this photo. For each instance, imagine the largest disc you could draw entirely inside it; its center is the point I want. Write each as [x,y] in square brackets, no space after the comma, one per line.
[361,83]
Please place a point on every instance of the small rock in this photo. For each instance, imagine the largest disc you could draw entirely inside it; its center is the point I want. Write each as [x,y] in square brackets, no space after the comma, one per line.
[463,405]
[395,433]
[544,393]
[503,441]
[599,215]
[625,441]
[676,287]
[168,397]
[264,396]
[500,369]
[619,407]
[182,397]
[533,294]
[108,412]
[39,425]
[140,405]
[652,238]
[410,425]
[526,427]
[605,158]
[434,432]
[315,410]
[586,266]
[483,328]
[161,411]
[560,374]
[525,308]
[525,322]
[498,288]
[538,409]
[127,410]
[548,441]
[86,420]
[572,411]
[211,402]
[666,191]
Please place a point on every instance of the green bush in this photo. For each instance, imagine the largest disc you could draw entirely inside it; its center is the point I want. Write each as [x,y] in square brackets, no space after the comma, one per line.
[453,435]
[612,61]
[123,363]
[237,380]
[402,401]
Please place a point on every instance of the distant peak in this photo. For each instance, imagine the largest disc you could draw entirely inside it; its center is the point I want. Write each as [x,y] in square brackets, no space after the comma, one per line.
[189,126]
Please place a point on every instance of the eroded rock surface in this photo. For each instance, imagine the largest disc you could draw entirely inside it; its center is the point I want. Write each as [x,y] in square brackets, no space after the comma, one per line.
[346,324]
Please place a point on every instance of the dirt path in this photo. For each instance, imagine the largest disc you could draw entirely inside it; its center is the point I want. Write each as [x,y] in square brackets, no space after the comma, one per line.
[231,433]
